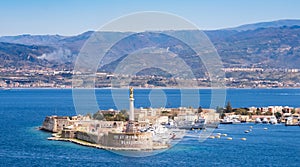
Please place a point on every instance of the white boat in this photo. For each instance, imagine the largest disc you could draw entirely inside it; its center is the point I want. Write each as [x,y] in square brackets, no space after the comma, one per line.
[273,120]
[257,120]
[171,124]
[265,121]
[292,121]
[236,121]
[226,120]
[199,124]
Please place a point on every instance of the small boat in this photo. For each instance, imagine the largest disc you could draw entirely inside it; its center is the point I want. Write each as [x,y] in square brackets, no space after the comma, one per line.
[236,121]
[191,125]
[273,120]
[226,120]
[292,121]
[265,121]
[258,120]
[199,124]
[187,125]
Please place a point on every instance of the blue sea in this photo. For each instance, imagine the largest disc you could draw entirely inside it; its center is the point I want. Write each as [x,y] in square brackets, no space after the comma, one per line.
[23,110]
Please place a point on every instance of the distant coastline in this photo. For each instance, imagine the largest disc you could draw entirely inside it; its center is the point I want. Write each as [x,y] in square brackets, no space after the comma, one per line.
[141,88]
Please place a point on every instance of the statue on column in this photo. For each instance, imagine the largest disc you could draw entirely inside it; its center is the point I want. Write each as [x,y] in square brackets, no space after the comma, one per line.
[131,92]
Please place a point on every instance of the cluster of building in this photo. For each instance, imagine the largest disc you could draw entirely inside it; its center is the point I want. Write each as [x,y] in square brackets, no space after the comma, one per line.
[244,77]
[147,128]
[28,77]
[238,77]
[282,114]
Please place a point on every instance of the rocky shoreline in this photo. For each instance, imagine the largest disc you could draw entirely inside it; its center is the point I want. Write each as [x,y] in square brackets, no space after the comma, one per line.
[98,146]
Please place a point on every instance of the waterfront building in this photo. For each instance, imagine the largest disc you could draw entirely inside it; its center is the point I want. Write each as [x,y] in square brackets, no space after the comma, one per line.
[116,135]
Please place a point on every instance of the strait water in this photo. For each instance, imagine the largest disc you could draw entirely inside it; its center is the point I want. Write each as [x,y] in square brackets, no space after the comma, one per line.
[23,110]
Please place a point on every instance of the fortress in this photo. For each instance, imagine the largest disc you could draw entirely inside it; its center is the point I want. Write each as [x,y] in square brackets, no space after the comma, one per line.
[114,135]
[146,129]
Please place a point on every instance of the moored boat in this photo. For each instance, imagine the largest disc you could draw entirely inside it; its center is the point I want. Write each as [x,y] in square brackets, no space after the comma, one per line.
[190,125]
[199,124]
[226,120]
[236,121]
[258,120]
[292,121]
[265,121]
[273,120]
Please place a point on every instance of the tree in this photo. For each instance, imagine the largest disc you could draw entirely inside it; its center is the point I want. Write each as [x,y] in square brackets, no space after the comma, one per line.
[268,113]
[123,111]
[240,111]
[293,111]
[120,117]
[284,111]
[278,115]
[109,117]
[258,111]
[219,110]
[200,110]
[89,115]
[222,115]
[228,108]
[98,116]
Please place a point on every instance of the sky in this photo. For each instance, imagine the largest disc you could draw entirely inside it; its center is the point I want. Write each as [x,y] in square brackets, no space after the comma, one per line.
[72,17]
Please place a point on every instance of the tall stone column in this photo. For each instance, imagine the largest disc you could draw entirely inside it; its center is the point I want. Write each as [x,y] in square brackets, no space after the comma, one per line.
[130,126]
[131,109]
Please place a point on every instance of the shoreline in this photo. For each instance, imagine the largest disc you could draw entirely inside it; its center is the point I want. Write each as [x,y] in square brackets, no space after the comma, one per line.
[141,88]
[98,146]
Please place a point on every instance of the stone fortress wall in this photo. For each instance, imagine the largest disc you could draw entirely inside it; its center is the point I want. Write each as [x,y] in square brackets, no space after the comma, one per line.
[106,133]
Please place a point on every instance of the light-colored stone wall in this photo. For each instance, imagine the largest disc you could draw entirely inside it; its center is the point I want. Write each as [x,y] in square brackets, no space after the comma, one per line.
[49,124]
[92,138]
[68,133]
[129,140]
[120,140]
[55,123]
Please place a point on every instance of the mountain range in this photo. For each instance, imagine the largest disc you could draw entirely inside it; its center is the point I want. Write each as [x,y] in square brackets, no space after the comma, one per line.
[273,44]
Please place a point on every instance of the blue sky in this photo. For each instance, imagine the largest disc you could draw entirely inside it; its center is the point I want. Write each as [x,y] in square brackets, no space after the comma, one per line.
[69,17]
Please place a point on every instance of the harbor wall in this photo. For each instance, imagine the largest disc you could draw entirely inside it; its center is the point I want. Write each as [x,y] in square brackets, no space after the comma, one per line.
[120,140]
[128,140]
[92,138]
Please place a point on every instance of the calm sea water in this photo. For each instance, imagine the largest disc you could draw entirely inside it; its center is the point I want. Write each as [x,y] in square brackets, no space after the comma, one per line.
[23,110]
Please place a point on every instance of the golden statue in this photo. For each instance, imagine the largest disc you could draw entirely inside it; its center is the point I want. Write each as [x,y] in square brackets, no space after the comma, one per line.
[131,92]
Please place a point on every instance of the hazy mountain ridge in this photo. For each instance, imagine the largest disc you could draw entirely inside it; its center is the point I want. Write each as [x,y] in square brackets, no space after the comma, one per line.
[28,39]
[269,44]
[21,55]
[264,47]
[269,24]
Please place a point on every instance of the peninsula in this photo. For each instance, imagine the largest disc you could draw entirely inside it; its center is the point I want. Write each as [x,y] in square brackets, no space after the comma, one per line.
[145,129]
